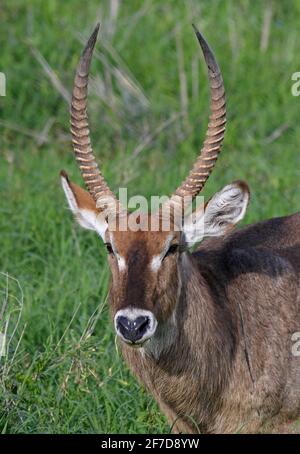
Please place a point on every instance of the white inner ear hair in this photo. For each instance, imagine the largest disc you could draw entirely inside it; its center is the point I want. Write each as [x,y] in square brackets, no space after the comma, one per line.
[69,194]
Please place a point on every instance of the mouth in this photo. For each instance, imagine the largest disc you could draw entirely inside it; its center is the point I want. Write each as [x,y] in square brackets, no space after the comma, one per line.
[136,345]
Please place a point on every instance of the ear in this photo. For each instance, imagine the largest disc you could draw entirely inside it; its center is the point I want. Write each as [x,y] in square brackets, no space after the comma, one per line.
[83,206]
[221,213]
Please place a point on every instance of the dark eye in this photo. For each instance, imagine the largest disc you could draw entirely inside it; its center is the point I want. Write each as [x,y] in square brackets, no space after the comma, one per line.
[109,248]
[172,249]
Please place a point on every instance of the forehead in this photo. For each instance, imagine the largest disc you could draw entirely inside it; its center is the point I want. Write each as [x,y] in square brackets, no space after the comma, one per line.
[147,239]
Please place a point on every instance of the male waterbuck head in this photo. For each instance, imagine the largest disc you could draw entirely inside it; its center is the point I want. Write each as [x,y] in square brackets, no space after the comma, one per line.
[145,261]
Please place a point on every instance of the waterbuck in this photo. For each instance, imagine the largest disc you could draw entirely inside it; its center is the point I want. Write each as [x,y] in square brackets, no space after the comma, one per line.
[212,330]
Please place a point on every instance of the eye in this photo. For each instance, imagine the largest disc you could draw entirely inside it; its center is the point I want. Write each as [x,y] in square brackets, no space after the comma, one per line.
[172,249]
[109,248]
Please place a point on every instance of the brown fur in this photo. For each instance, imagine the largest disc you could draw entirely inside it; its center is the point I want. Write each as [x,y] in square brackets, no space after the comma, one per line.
[221,358]
[137,286]
[230,369]
[83,198]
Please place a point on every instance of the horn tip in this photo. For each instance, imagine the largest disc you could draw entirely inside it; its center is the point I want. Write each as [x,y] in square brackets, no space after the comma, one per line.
[198,34]
[195,28]
[96,29]
[93,38]
[207,52]
[86,56]
[200,37]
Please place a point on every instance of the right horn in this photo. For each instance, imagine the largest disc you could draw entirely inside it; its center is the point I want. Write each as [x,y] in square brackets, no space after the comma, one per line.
[94,180]
[206,161]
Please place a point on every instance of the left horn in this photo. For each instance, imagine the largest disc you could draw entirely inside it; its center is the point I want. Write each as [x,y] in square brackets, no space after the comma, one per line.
[205,163]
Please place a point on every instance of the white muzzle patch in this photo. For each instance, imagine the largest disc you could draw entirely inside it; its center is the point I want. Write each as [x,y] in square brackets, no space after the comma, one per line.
[134,326]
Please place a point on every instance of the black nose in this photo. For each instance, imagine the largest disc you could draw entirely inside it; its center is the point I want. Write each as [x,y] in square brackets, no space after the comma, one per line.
[133,330]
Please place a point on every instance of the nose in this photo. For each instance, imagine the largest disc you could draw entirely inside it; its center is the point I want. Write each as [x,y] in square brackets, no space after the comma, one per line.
[133,330]
[135,325]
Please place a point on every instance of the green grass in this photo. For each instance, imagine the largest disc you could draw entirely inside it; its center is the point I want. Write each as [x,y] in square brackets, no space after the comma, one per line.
[63,372]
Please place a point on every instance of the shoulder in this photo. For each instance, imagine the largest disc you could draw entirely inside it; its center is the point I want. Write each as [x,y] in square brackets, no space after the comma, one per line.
[232,260]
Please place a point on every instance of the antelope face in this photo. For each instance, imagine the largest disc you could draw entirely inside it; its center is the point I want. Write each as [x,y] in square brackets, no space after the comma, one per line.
[145,281]
[145,263]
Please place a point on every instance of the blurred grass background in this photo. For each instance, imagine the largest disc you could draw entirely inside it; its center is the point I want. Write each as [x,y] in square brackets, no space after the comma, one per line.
[148,109]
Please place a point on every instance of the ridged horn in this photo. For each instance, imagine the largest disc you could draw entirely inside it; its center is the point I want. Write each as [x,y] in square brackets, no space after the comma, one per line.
[206,161]
[81,141]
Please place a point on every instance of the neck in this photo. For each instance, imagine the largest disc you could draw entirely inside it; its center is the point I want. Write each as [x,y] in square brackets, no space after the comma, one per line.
[199,334]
